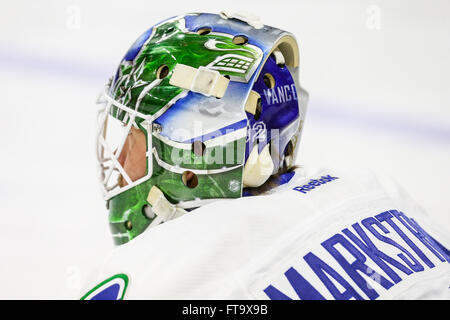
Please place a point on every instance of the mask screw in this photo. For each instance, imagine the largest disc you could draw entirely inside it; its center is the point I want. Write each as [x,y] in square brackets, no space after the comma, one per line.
[156,128]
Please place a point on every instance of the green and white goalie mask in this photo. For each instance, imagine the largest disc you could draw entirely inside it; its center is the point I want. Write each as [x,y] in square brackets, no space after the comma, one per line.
[203,107]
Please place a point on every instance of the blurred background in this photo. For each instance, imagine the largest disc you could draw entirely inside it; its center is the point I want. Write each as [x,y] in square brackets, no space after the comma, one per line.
[378,74]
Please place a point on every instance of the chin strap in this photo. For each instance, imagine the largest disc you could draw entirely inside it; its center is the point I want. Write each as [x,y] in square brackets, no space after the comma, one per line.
[162,208]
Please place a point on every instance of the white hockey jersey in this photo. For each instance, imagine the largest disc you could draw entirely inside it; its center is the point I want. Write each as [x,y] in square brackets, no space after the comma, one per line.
[325,234]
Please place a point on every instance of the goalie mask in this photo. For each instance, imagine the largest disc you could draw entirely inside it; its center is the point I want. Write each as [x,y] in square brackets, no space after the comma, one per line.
[202,107]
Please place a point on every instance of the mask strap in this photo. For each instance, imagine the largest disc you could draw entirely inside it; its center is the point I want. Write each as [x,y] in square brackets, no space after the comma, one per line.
[202,80]
[250,19]
[163,209]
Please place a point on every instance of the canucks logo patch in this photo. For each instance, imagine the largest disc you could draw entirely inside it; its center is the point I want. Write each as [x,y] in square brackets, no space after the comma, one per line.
[113,288]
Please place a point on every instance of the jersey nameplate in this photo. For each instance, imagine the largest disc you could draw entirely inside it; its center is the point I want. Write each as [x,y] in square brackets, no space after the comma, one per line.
[352,265]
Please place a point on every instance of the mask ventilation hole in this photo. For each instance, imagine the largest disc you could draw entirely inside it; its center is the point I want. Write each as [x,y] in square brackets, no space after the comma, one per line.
[162,71]
[240,40]
[190,179]
[147,211]
[128,225]
[269,81]
[258,110]
[198,148]
[203,31]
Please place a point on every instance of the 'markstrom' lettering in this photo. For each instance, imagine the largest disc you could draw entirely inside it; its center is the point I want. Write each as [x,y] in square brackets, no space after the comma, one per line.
[358,245]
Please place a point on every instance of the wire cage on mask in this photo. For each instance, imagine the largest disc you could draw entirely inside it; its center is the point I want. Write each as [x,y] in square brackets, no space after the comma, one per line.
[115,123]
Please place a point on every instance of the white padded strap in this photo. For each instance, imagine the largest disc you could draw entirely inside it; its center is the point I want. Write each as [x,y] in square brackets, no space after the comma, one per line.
[279,58]
[252,102]
[258,168]
[163,209]
[202,80]
[249,18]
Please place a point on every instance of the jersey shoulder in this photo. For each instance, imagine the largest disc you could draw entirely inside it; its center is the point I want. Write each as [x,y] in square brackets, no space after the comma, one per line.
[316,223]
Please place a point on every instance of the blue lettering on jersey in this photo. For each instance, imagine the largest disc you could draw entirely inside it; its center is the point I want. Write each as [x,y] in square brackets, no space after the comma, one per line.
[357,244]
[313,183]
[302,287]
